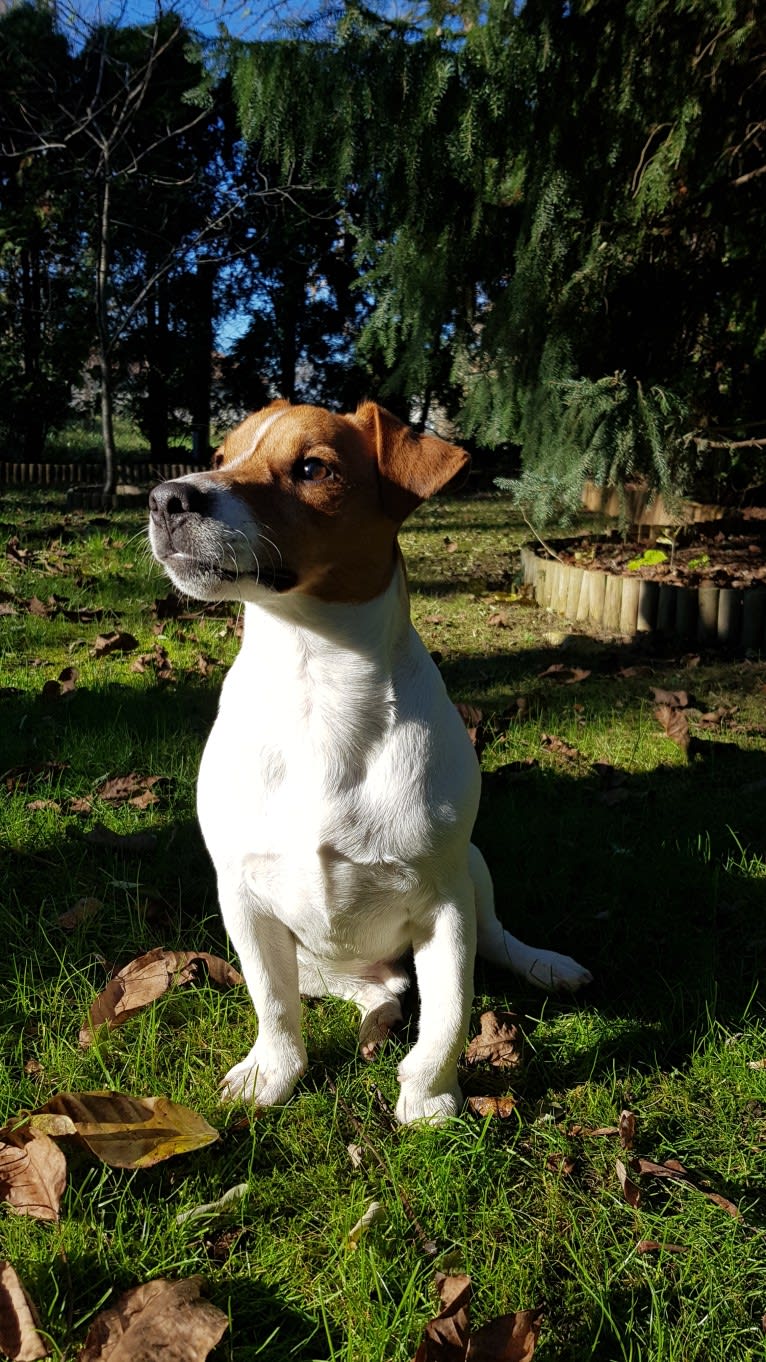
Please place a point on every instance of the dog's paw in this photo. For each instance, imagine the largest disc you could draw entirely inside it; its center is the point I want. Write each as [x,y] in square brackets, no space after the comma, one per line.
[264,1080]
[419,1102]
[557,973]
[377,1026]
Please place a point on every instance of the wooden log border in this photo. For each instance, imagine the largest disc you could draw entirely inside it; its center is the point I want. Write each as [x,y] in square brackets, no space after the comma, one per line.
[734,617]
[16,474]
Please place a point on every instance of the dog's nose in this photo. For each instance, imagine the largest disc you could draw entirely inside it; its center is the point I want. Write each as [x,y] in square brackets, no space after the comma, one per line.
[174,499]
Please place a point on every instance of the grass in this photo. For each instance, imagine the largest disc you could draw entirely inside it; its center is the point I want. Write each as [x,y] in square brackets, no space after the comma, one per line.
[661,893]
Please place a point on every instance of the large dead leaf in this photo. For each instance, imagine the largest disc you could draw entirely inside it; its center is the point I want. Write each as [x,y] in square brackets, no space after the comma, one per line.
[32,1173]
[116,642]
[131,789]
[675,725]
[161,1319]
[502,1107]
[630,1190]
[500,1041]
[676,1172]
[627,1129]
[510,1338]
[131,1132]
[448,1337]
[19,1321]
[146,978]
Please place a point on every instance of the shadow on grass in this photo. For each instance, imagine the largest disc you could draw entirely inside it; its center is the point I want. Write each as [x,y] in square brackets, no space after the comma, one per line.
[656,890]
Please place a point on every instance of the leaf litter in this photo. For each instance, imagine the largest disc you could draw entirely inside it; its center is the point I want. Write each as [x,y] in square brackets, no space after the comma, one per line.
[143,980]
[20,1338]
[448,1337]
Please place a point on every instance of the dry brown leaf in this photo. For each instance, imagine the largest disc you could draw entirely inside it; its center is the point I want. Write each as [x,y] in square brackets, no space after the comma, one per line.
[446,1337]
[561,1163]
[131,1132]
[676,699]
[32,1173]
[159,1319]
[502,1107]
[654,1246]
[724,1203]
[37,805]
[566,675]
[80,911]
[19,1321]
[130,842]
[143,980]
[589,1132]
[119,790]
[510,1338]
[116,642]
[557,745]
[671,1168]
[500,1041]
[675,724]
[753,1063]
[630,1191]
[627,1129]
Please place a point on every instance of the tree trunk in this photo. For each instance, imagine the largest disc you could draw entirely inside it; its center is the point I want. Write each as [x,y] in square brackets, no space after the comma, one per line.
[102,287]
[201,359]
[33,433]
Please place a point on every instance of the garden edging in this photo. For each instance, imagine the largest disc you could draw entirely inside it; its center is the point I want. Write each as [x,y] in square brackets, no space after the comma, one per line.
[734,617]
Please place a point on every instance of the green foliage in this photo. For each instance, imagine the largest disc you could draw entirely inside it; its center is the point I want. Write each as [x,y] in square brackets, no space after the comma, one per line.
[649,558]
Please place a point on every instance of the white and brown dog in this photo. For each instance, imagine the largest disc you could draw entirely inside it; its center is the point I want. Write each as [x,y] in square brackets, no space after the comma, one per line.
[338,788]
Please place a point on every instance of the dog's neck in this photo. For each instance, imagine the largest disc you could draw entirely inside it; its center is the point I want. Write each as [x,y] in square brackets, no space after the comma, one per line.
[344,661]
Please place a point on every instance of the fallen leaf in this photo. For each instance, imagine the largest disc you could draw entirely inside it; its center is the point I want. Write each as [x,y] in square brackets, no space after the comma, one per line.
[627,1129]
[446,1337]
[557,745]
[159,1319]
[561,1163]
[670,1169]
[40,608]
[568,676]
[589,1132]
[131,789]
[80,911]
[675,724]
[724,1203]
[130,842]
[32,1173]
[501,1107]
[500,1041]
[143,980]
[756,1064]
[131,1132]
[116,642]
[37,805]
[19,1320]
[225,1205]
[372,1215]
[474,724]
[654,1246]
[510,1338]
[15,553]
[205,665]
[630,1191]
[676,699]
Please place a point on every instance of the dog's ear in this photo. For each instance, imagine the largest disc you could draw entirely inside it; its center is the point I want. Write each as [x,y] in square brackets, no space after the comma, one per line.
[410,467]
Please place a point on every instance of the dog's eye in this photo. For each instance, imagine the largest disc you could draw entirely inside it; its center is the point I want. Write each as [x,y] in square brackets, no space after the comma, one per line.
[313,470]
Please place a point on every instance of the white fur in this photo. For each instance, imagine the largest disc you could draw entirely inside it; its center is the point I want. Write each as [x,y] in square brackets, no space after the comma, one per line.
[338,788]
[337,795]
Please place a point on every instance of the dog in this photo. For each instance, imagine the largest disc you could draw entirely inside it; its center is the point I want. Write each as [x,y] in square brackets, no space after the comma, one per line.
[338,789]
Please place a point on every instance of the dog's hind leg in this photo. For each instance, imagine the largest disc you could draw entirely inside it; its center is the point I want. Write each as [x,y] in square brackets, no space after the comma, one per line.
[545,969]
[373,990]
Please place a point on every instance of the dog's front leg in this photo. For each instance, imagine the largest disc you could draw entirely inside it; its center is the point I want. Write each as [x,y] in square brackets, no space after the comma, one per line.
[444,961]
[267,953]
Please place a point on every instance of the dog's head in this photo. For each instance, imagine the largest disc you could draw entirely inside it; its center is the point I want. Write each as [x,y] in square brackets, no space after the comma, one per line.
[299,499]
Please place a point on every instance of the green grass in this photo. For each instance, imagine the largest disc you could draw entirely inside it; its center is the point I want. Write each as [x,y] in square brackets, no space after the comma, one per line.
[662,894]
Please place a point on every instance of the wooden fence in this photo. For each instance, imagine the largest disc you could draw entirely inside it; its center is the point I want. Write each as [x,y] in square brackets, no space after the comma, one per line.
[15,473]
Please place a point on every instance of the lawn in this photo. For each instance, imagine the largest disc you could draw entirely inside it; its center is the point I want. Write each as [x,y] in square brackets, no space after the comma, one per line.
[605,843]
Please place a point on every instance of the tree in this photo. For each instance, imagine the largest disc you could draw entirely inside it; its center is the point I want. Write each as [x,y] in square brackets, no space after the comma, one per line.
[42,280]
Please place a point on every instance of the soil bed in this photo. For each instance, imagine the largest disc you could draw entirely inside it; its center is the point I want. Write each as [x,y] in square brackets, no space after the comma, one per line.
[713,591]
[723,560]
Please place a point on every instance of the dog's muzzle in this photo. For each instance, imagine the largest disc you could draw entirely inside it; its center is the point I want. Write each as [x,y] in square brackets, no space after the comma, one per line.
[192,539]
